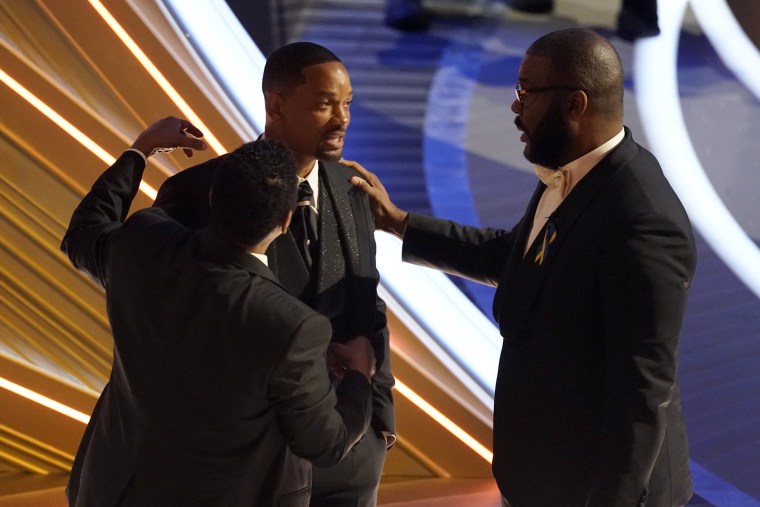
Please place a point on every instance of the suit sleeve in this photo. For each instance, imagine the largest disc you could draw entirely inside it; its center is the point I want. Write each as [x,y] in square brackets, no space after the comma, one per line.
[469,252]
[320,424]
[646,273]
[383,418]
[99,217]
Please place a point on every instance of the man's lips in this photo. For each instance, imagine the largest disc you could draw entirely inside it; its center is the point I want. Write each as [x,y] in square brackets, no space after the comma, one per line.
[334,139]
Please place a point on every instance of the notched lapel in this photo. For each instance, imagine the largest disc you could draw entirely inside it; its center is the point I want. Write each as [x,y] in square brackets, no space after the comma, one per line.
[526,277]
[348,212]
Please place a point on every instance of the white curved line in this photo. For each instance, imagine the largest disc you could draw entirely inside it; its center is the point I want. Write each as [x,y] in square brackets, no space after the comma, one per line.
[732,44]
[657,98]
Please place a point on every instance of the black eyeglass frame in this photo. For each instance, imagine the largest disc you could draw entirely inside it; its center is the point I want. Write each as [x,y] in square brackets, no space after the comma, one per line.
[520,92]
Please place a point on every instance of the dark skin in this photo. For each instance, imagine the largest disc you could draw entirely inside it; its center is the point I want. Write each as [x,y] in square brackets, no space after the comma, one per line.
[171,133]
[311,119]
[584,126]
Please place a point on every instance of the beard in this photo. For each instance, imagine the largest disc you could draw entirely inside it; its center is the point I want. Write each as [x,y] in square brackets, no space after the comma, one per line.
[329,155]
[549,140]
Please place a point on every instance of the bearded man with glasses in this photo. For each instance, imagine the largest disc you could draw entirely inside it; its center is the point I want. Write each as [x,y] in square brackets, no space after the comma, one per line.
[591,293]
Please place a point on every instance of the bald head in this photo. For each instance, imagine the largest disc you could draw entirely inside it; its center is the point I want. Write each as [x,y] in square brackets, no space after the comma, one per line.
[583,58]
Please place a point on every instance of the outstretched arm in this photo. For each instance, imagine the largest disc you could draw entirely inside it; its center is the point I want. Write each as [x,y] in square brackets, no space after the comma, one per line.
[105,207]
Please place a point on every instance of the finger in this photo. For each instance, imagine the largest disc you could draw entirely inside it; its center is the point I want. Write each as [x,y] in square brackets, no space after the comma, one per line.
[358,182]
[191,130]
[183,141]
[356,167]
[196,144]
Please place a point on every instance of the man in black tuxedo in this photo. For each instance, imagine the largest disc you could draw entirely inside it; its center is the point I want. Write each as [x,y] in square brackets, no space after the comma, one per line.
[591,293]
[307,94]
[219,391]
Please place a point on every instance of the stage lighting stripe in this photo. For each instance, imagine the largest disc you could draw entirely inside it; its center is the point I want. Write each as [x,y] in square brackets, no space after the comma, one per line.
[141,57]
[67,127]
[44,401]
[444,421]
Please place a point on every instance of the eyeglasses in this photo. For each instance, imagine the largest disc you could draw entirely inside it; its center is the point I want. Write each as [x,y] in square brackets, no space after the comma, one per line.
[520,92]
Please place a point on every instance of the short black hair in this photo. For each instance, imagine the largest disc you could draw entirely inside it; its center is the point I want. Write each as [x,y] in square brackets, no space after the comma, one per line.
[283,70]
[254,188]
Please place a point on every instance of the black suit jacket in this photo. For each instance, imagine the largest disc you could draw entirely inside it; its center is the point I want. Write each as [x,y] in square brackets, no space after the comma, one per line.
[351,303]
[218,373]
[587,408]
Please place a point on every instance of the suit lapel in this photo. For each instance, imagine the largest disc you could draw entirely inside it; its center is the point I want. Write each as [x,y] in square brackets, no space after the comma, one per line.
[345,200]
[523,275]
[353,295]
[572,208]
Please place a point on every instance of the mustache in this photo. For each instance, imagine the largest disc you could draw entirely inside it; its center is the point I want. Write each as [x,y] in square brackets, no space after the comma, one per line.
[518,124]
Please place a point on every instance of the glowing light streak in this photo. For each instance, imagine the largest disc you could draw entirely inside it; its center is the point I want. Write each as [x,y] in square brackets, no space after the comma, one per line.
[726,35]
[44,401]
[444,312]
[67,127]
[156,74]
[657,97]
[444,421]
[223,46]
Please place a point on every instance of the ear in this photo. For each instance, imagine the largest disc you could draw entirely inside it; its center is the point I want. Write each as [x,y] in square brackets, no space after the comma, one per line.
[273,103]
[577,105]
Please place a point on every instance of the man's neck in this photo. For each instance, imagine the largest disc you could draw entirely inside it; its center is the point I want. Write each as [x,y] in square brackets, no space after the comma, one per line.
[306,166]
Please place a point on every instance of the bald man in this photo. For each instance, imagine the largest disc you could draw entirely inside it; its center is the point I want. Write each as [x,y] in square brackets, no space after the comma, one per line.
[591,292]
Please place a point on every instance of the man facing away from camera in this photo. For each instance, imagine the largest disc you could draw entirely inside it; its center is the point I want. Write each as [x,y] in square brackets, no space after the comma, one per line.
[219,391]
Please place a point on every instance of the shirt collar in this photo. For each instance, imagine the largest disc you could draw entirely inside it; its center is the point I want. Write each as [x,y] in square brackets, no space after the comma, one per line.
[571,173]
[313,179]
[262,257]
[580,167]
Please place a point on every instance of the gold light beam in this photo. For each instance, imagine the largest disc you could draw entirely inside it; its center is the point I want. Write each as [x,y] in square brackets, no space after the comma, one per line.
[444,421]
[67,127]
[156,74]
[44,401]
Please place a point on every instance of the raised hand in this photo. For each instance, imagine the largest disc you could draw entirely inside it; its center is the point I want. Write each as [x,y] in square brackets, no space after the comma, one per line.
[169,134]
[388,217]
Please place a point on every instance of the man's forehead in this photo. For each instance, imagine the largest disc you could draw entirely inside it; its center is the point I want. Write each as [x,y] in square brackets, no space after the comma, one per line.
[535,69]
[326,71]
[325,80]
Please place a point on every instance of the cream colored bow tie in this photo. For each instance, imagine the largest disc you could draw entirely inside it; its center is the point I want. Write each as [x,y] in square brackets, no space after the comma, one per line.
[552,178]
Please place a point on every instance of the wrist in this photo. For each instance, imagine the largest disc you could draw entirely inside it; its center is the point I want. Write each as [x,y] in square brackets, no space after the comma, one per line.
[398,224]
[143,155]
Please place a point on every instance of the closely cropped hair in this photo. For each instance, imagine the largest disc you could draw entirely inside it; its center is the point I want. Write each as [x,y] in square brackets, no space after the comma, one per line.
[284,68]
[254,188]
